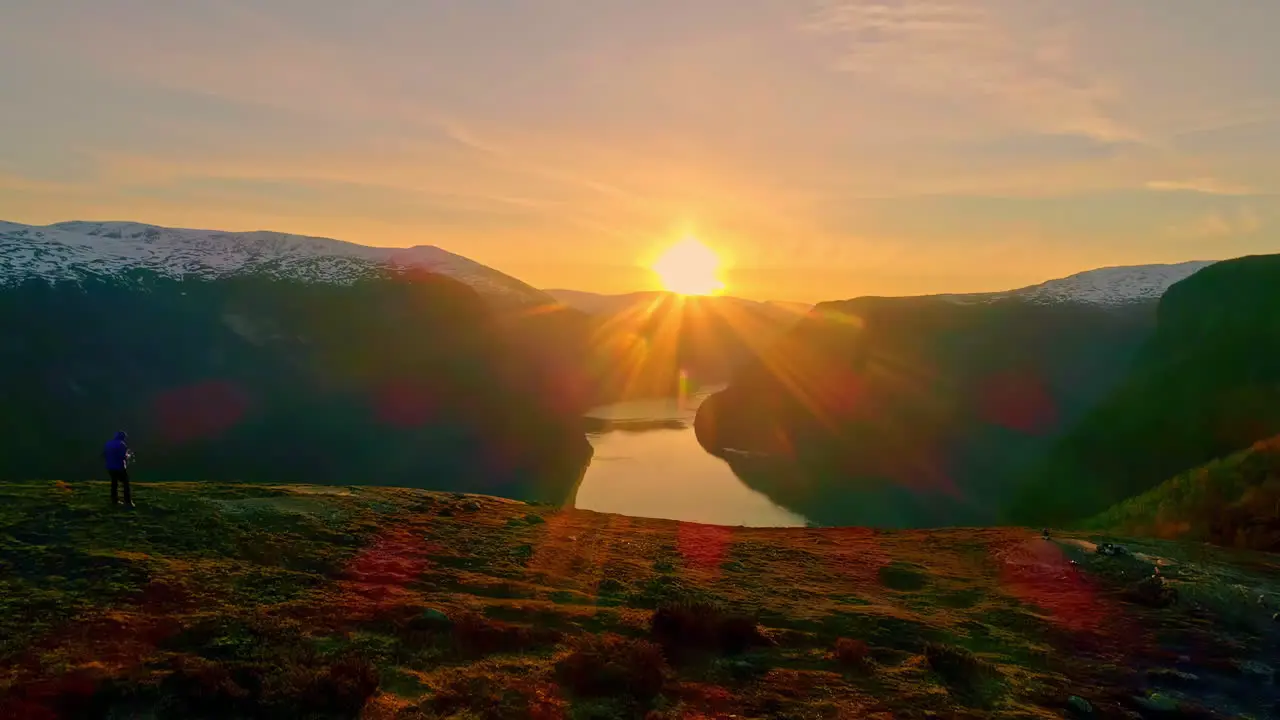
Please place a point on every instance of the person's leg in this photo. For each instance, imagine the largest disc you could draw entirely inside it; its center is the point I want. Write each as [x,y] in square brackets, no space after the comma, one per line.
[124,479]
[115,479]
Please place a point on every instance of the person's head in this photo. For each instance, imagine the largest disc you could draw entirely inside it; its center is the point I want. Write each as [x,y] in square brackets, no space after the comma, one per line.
[122,435]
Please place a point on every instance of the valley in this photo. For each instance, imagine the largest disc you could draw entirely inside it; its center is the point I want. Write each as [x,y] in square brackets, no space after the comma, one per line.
[266,357]
[372,488]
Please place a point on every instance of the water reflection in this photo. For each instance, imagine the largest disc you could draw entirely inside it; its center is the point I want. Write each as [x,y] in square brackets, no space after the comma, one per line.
[648,463]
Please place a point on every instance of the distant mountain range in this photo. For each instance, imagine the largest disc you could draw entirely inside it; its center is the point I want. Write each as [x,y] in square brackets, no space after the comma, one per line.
[603,304]
[76,250]
[1104,286]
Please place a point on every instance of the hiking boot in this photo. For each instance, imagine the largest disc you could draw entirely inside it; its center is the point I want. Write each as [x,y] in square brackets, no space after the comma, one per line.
[129,506]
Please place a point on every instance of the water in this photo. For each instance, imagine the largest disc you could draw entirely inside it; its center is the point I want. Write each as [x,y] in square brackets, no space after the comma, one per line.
[648,463]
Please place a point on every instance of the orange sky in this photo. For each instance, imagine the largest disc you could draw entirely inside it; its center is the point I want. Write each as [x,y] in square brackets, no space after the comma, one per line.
[827,148]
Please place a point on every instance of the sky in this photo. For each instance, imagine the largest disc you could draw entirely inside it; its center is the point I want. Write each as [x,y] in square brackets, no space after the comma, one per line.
[824,148]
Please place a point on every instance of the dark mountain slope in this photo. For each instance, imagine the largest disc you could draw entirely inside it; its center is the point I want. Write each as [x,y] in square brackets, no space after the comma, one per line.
[1234,501]
[406,377]
[1206,385]
[919,411]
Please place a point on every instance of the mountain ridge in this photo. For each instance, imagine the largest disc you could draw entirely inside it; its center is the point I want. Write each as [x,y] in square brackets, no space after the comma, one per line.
[76,249]
[1111,285]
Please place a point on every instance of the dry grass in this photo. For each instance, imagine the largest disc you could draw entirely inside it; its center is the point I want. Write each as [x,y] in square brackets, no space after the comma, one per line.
[235,601]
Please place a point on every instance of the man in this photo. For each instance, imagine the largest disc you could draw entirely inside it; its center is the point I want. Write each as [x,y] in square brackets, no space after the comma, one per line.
[117,455]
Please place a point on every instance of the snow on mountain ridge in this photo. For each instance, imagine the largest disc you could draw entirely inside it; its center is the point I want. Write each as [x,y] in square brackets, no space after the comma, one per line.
[1103,286]
[77,249]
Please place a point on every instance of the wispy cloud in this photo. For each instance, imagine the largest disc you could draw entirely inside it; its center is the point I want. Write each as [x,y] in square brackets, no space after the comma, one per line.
[1206,186]
[991,52]
[1221,223]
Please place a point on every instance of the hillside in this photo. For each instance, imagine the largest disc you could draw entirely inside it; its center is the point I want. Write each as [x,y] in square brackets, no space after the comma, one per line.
[225,601]
[1234,501]
[402,377]
[917,412]
[1206,384]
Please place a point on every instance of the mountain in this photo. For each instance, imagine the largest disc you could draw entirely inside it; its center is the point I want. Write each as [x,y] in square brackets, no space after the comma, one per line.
[924,411]
[231,601]
[1234,502]
[648,344]
[394,373]
[1104,286]
[1206,384]
[76,250]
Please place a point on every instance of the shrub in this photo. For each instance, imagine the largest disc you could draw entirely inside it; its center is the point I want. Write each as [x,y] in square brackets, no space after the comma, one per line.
[484,698]
[281,686]
[852,653]
[476,635]
[613,666]
[965,674]
[703,626]
[202,688]
[955,663]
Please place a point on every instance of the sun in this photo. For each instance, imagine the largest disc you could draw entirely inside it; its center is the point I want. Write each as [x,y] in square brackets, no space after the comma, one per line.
[689,268]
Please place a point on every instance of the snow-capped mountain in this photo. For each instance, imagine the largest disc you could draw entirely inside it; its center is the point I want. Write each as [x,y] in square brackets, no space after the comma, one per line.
[76,250]
[1104,286]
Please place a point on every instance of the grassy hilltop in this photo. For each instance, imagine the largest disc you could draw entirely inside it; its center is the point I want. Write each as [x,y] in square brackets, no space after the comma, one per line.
[228,601]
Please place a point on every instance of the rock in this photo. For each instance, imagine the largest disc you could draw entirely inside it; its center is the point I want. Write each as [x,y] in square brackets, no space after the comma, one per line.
[433,619]
[1172,678]
[1275,617]
[471,506]
[1079,706]
[741,669]
[1156,702]
[1111,549]
[445,512]
[1257,671]
[1153,592]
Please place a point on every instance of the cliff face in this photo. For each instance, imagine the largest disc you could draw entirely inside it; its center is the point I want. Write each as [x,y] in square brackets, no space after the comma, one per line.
[923,408]
[1207,384]
[405,377]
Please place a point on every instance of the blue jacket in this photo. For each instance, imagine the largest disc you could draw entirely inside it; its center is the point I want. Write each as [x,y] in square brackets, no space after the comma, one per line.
[116,452]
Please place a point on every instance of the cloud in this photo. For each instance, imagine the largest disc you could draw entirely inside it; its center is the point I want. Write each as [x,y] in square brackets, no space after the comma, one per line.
[1206,186]
[997,53]
[1220,223]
